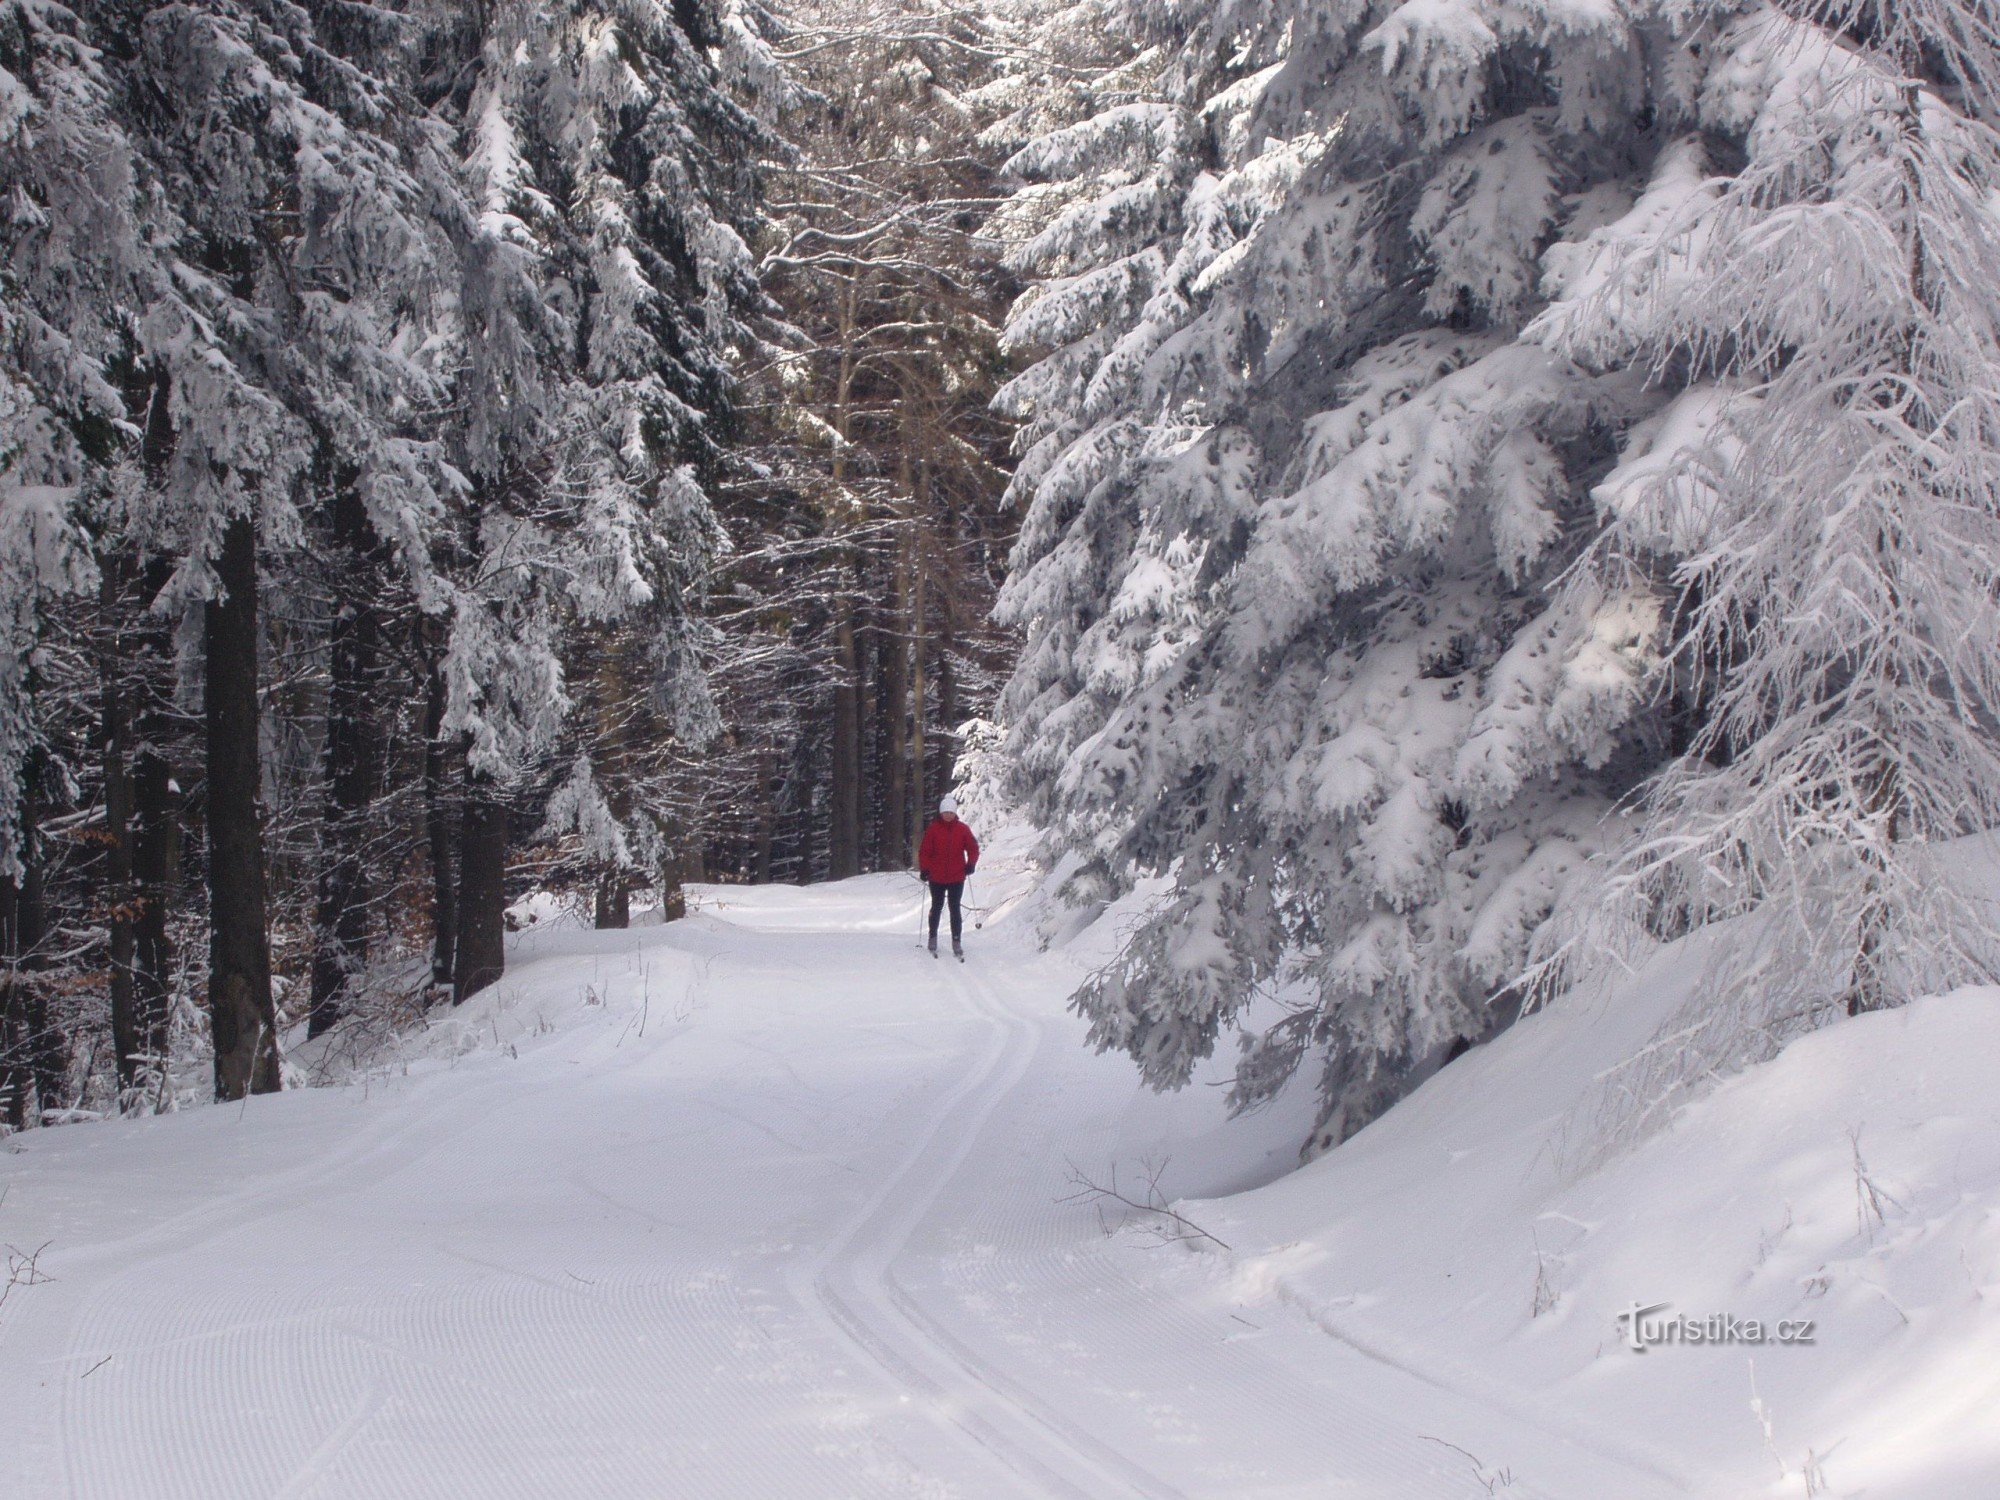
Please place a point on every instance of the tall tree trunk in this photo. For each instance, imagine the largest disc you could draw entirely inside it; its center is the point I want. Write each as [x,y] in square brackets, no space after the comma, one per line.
[673,879]
[141,822]
[353,774]
[156,859]
[482,890]
[844,811]
[610,685]
[121,856]
[868,735]
[919,747]
[156,800]
[439,831]
[767,818]
[948,709]
[844,843]
[33,1059]
[241,1017]
[140,801]
[613,907]
[893,837]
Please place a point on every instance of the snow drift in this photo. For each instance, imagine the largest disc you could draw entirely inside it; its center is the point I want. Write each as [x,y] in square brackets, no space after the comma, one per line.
[1853,1181]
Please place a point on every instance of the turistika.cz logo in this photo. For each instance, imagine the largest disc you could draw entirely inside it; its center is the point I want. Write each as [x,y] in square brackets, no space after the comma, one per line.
[1645,1325]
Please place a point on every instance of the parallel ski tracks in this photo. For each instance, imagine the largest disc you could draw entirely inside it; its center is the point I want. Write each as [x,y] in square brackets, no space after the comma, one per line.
[853,1281]
[895,1306]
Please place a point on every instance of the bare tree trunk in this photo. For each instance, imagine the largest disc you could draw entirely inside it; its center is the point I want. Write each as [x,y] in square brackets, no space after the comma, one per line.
[17,1031]
[844,845]
[438,831]
[156,858]
[919,747]
[140,802]
[156,801]
[121,892]
[767,818]
[673,874]
[241,1016]
[482,890]
[33,1057]
[353,775]
[613,907]
[610,684]
[947,693]
[893,834]
[144,832]
[844,820]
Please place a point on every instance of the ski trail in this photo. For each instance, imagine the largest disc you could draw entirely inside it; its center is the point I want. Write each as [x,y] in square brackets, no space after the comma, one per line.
[1223,1414]
[852,1280]
[806,1239]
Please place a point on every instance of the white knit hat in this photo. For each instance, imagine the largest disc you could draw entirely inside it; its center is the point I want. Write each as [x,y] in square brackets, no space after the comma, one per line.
[949,804]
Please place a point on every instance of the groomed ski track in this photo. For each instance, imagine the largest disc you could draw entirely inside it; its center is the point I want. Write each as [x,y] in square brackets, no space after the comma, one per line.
[763,1203]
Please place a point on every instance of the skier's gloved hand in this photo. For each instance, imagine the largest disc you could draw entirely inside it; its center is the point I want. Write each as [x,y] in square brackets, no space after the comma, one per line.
[972,869]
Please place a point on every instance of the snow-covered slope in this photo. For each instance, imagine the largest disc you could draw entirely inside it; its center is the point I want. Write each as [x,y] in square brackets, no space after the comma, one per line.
[768,1202]
[764,1203]
[1471,1236]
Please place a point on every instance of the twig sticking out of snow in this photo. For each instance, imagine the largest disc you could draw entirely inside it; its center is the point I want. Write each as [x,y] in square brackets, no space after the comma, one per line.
[1493,1481]
[22,1270]
[1172,1226]
[1869,1195]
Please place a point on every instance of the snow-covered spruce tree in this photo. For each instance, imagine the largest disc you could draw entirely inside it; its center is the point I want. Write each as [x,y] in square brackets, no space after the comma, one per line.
[1295,493]
[612,174]
[1817,516]
[288,354]
[67,250]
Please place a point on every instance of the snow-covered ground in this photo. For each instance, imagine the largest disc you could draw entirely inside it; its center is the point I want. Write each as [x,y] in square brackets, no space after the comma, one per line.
[1473,1237]
[770,1203]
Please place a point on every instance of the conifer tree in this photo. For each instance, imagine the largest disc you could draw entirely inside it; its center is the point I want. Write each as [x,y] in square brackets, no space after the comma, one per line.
[1814,521]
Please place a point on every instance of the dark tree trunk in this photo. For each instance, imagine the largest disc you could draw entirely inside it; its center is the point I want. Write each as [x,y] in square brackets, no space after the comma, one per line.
[438,834]
[868,735]
[919,678]
[767,818]
[140,801]
[614,900]
[353,774]
[156,856]
[48,1048]
[143,830]
[948,709]
[844,835]
[33,1059]
[892,837]
[673,893]
[241,1017]
[611,751]
[121,892]
[482,890]
[156,834]
[673,872]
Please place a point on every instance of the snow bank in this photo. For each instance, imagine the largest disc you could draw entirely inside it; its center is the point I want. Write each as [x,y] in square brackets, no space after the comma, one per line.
[1853,1181]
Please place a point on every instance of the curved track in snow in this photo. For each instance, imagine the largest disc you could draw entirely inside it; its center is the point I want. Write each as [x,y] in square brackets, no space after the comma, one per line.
[763,1204]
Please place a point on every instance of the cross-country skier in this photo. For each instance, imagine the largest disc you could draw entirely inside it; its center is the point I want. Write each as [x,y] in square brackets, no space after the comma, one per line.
[947,855]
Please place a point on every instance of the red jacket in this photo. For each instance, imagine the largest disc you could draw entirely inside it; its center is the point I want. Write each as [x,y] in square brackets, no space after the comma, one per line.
[948,852]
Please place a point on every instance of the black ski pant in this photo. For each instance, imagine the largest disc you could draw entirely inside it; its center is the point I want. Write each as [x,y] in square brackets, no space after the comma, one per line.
[956,892]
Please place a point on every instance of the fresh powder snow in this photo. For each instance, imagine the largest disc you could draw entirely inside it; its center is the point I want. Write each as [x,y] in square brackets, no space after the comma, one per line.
[765,1202]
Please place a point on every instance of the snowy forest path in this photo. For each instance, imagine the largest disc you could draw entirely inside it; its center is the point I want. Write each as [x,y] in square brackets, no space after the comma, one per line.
[762,1203]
